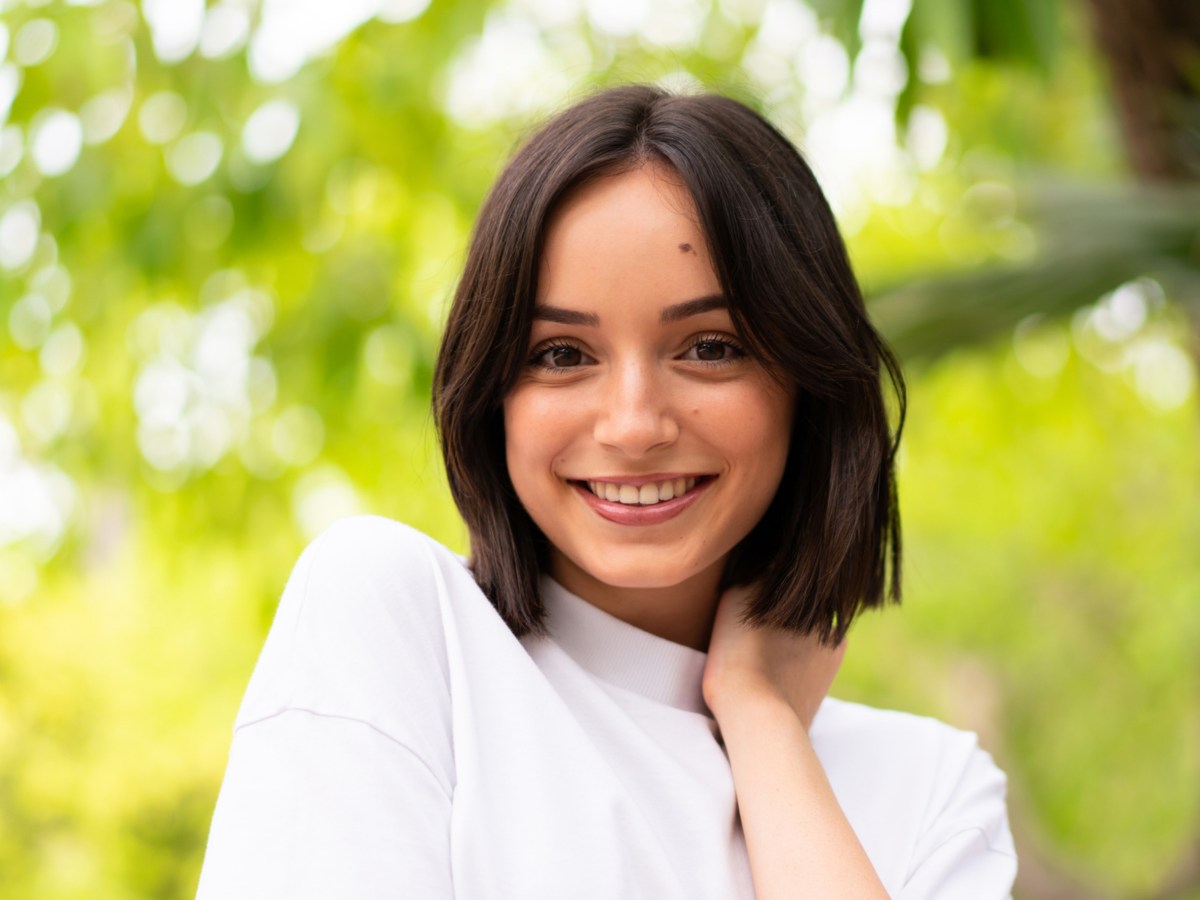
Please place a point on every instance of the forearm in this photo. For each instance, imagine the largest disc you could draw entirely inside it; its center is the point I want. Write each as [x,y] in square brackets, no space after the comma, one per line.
[799,841]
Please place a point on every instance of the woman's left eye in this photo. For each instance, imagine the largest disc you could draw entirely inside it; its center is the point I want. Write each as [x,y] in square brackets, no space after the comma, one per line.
[713,349]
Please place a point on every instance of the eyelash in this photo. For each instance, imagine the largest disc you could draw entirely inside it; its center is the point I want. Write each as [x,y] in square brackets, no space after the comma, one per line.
[541,353]
[721,339]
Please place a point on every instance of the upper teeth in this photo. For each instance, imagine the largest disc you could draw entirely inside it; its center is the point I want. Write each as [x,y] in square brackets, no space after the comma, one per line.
[644,495]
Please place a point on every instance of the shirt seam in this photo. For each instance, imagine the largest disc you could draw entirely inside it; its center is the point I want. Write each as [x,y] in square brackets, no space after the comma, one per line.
[364,722]
[974,828]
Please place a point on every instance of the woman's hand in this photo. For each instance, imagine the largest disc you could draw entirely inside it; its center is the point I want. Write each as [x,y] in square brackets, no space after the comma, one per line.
[747,663]
[764,686]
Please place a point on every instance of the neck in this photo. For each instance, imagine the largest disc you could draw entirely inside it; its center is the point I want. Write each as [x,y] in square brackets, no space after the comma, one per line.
[682,613]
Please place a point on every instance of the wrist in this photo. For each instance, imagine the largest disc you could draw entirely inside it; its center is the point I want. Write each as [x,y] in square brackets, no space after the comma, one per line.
[744,697]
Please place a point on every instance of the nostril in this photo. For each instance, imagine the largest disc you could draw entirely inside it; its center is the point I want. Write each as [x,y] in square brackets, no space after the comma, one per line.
[635,430]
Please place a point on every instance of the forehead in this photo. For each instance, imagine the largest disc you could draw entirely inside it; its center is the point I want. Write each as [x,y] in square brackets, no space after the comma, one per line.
[652,190]
[634,232]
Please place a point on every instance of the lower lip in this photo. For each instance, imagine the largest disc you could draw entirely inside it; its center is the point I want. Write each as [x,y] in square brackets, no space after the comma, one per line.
[651,514]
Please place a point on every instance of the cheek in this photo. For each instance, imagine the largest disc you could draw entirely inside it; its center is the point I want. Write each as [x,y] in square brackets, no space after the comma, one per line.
[534,432]
[531,412]
[517,440]
[754,423]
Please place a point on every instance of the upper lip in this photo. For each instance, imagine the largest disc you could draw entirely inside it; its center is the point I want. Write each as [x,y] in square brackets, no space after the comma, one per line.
[639,480]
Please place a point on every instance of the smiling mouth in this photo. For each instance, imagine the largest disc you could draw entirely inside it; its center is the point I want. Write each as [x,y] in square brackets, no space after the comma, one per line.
[647,494]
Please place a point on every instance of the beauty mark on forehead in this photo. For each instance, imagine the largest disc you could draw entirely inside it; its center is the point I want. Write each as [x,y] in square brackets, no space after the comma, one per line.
[686,248]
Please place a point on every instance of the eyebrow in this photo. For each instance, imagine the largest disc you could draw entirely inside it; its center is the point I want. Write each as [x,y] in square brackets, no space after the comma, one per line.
[565,316]
[688,308]
[673,313]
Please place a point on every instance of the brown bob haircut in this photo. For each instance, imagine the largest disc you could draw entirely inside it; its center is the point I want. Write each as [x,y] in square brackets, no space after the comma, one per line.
[828,545]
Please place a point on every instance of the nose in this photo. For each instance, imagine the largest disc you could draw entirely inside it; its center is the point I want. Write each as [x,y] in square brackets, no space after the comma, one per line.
[636,415]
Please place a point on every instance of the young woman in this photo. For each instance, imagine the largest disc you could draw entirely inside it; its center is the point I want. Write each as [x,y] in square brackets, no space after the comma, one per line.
[662,415]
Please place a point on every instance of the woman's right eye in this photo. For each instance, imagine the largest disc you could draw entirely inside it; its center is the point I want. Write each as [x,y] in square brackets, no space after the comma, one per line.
[558,356]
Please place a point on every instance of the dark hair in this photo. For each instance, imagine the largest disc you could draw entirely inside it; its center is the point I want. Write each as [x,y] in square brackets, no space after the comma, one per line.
[829,543]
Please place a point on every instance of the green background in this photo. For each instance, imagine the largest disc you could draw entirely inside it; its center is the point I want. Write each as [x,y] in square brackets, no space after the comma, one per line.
[216,336]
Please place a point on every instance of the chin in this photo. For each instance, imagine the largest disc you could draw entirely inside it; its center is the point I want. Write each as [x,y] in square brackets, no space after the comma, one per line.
[641,579]
[647,572]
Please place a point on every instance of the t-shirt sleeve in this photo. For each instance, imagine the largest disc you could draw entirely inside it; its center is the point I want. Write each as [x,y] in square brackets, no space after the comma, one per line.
[966,850]
[340,774]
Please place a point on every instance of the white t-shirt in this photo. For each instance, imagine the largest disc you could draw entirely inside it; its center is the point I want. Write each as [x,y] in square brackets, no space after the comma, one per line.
[396,740]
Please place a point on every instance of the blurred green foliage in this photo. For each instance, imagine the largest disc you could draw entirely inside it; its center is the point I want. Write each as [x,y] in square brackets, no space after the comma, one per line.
[222,274]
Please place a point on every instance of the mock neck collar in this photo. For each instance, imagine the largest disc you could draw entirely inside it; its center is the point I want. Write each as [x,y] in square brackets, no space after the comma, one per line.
[621,654]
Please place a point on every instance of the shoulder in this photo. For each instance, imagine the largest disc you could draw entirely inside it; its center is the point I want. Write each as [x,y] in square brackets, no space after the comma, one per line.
[928,778]
[366,561]
[361,613]
[351,689]
[371,545]
[372,577]
[901,748]
[890,738]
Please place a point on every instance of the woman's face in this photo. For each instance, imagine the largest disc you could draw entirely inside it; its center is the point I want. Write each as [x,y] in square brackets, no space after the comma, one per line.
[641,438]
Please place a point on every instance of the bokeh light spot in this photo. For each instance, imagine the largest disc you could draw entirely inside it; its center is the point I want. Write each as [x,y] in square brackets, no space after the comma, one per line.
[54,283]
[1162,373]
[46,410]
[62,353]
[12,148]
[928,135]
[226,28]
[619,18]
[1120,314]
[56,137]
[19,227]
[174,27]
[162,116]
[104,114]
[270,130]
[164,446]
[742,12]
[10,84]
[551,14]
[880,69]
[195,157]
[883,19]
[933,67]
[675,23]
[160,394]
[39,498]
[786,26]
[29,321]
[201,386]
[35,41]
[823,68]
[507,72]
[115,20]
[395,12]
[291,32]
[322,497]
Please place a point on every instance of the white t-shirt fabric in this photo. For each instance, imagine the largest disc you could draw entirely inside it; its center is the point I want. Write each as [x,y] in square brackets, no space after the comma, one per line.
[396,740]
